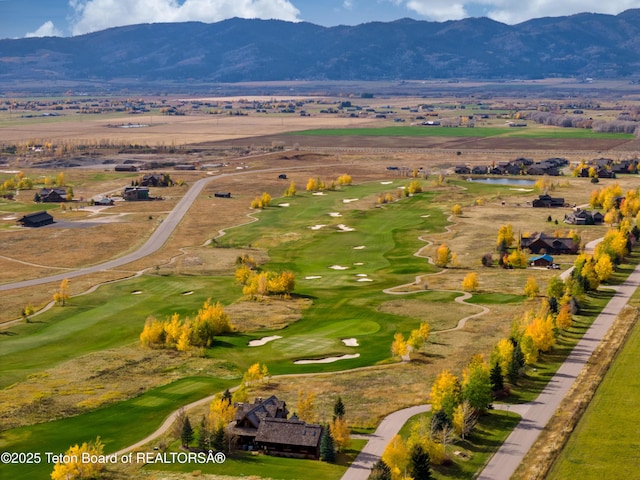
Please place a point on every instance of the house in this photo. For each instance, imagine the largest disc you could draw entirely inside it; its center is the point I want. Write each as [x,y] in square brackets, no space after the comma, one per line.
[540,243]
[156,180]
[264,425]
[186,166]
[462,169]
[104,201]
[37,219]
[289,438]
[282,176]
[126,168]
[546,201]
[53,195]
[541,260]
[584,217]
[249,415]
[131,194]
[222,194]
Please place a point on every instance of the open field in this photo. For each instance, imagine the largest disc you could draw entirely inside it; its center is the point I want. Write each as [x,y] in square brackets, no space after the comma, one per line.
[344,249]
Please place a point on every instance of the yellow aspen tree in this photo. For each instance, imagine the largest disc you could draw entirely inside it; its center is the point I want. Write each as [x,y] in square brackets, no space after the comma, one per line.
[531,289]
[465,418]
[476,383]
[243,274]
[445,393]
[62,295]
[184,341]
[291,190]
[306,407]
[419,336]
[541,332]
[341,433]
[221,412]
[443,255]
[253,374]
[502,354]
[470,282]
[529,350]
[399,345]
[505,235]
[604,267]
[312,185]
[153,333]
[396,456]
[265,200]
[456,210]
[77,469]
[172,330]
[563,319]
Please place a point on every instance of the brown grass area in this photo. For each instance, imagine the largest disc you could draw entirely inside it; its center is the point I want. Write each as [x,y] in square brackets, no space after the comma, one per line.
[250,316]
[96,379]
[165,130]
[440,316]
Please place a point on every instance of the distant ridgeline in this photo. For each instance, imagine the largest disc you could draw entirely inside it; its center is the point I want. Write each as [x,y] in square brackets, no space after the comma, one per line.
[238,50]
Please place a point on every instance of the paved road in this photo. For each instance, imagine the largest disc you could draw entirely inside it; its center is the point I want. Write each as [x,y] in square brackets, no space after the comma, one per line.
[155,241]
[370,454]
[508,457]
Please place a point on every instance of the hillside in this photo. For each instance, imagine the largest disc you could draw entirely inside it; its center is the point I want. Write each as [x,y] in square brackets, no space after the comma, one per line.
[239,50]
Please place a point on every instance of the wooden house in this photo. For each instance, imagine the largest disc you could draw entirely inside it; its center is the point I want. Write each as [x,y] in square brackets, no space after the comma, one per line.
[53,195]
[289,438]
[37,219]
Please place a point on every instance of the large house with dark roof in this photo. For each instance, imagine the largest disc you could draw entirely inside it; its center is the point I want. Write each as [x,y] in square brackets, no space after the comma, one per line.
[264,425]
[542,243]
[53,195]
[37,219]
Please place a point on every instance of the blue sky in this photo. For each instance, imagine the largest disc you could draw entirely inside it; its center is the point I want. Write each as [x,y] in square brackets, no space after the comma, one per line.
[20,18]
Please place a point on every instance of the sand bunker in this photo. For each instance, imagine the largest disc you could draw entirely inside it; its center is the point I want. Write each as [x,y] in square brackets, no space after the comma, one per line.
[349,200]
[327,360]
[350,342]
[188,293]
[365,280]
[425,216]
[522,189]
[318,193]
[338,267]
[312,277]
[359,247]
[317,227]
[283,204]
[361,275]
[136,292]
[358,263]
[386,183]
[343,228]
[335,214]
[263,341]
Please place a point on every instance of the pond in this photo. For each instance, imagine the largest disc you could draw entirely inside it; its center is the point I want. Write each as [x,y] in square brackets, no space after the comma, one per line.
[503,181]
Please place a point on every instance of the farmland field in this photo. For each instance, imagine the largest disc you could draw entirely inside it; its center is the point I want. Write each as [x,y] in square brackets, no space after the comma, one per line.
[362,264]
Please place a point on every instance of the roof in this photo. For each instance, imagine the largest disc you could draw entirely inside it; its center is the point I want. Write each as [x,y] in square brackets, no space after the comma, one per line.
[546,257]
[289,432]
[260,410]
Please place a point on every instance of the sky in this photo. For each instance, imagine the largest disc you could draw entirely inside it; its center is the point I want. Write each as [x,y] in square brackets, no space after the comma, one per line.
[39,18]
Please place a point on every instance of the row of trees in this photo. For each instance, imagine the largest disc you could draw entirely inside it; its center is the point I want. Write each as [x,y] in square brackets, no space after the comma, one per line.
[417,339]
[182,335]
[315,184]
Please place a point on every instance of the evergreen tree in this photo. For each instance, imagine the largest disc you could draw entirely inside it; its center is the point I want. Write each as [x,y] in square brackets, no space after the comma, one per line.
[380,471]
[497,382]
[204,436]
[517,362]
[187,433]
[439,420]
[420,463]
[227,396]
[338,409]
[327,451]
[217,442]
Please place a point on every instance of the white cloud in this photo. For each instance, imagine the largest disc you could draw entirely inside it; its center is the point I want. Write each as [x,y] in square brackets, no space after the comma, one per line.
[347,4]
[439,10]
[512,11]
[47,29]
[92,15]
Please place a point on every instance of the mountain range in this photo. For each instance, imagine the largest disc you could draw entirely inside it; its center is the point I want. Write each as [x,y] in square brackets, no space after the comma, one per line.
[242,50]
